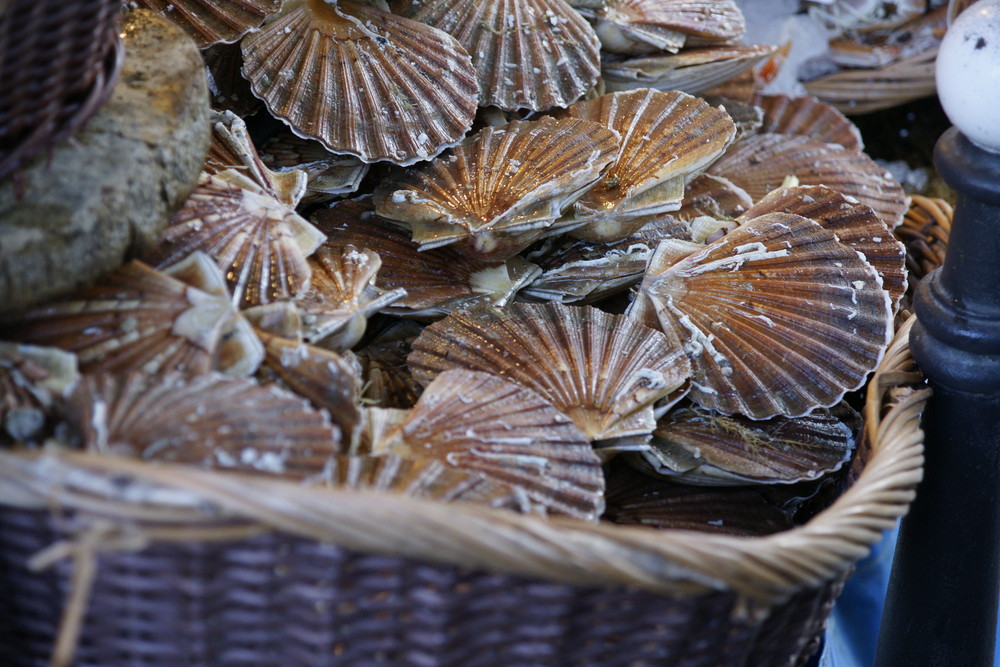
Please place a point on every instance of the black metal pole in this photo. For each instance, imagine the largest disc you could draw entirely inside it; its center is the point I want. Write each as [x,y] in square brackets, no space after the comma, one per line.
[941,607]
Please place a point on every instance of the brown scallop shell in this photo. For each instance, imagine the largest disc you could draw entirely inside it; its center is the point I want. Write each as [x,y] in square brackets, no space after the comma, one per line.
[481,422]
[328,175]
[528,54]
[33,382]
[634,498]
[655,22]
[693,71]
[342,297]
[259,242]
[211,21]
[747,117]
[362,81]
[777,317]
[666,140]
[207,420]
[698,446]
[603,371]
[437,281]
[137,317]
[500,189]
[855,225]
[760,163]
[715,197]
[807,116]
[386,379]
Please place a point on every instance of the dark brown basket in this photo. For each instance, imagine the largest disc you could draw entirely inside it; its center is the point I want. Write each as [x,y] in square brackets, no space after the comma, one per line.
[123,562]
[58,63]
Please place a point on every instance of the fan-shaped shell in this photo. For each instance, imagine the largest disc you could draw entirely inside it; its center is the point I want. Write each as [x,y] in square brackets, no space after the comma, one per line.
[699,446]
[855,225]
[499,190]
[715,197]
[807,116]
[437,281]
[760,163]
[703,20]
[259,242]
[777,317]
[666,140]
[477,421]
[33,380]
[208,420]
[528,54]
[137,317]
[362,81]
[603,371]
[693,71]
[328,175]
[211,21]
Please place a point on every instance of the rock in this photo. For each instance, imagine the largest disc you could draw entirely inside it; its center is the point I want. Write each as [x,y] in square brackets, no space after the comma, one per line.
[105,193]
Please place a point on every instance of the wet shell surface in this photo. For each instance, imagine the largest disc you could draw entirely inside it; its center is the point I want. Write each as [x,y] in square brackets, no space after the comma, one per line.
[778,317]
[207,420]
[603,371]
[500,189]
[211,21]
[437,281]
[363,81]
[698,446]
[807,116]
[259,242]
[666,140]
[747,117]
[715,197]
[855,225]
[138,317]
[760,163]
[33,381]
[528,54]
[666,24]
[635,498]
[480,422]
[328,175]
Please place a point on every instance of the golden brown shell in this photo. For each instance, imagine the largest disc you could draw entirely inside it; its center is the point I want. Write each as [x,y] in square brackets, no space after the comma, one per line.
[211,21]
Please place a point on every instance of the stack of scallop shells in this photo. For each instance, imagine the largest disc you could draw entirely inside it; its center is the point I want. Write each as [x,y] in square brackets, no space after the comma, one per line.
[458,268]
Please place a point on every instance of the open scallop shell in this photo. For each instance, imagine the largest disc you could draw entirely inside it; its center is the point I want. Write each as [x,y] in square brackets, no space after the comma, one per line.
[500,189]
[211,21]
[666,140]
[643,26]
[362,81]
[207,420]
[528,54]
[778,317]
[328,175]
[855,225]
[698,446]
[760,163]
[808,117]
[437,281]
[259,242]
[603,371]
[342,297]
[480,422]
[33,382]
[693,71]
[137,317]
[634,498]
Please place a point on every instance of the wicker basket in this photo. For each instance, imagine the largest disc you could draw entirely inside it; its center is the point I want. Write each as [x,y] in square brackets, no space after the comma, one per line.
[122,562]
[58,63]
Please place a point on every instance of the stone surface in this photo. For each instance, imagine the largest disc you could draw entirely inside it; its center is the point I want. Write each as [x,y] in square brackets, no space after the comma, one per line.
[105,193]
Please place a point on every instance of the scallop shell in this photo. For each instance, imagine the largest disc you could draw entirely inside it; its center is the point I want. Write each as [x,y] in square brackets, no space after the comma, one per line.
[328,175]
[760,163]
[33,380]
[666,140]
[658,22]
[698,446]
[436,281]
[386,378]
[336,308]
[321,376]
[137,317]
[499,190]
[777,317]
[207,420]
[480,422]
[747,117]
[528,54]
[259,242]
[855,225]
[603,371]
[715,197]
[362,81]
[211,21]
[693,71]
[808,117]
[634,498]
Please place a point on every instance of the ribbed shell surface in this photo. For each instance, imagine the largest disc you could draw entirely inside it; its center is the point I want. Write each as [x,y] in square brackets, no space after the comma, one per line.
[808,117]
[692,70]
[711,20]
[715,197]
[212,21]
